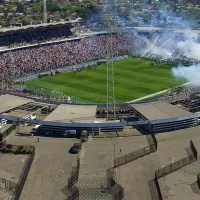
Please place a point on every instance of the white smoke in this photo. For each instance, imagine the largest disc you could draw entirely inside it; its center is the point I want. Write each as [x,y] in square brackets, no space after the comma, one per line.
[190,45]
[165,44]
[191,73]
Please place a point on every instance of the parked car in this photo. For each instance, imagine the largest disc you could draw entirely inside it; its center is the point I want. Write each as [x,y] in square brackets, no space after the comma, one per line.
[76,146]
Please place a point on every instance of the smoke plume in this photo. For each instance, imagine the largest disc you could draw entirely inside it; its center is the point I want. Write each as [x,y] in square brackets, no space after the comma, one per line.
[191,74]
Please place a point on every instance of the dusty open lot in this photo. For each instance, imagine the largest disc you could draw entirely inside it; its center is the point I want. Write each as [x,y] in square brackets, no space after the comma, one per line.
[10,169]
[50,170]
[134,176]
[97,155]
[52,166]
[11,166]
[178,186]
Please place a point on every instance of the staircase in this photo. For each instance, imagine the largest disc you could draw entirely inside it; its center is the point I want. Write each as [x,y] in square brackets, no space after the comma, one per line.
[93,188]
[192,168]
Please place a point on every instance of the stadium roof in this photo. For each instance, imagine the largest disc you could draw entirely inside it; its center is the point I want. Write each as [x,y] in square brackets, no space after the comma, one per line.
[14,28]
[160,110]
[186,30]
[73,113]
[146,28]
[8,102]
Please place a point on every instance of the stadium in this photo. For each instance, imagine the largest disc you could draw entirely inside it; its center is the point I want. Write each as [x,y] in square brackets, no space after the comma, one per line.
[56,139]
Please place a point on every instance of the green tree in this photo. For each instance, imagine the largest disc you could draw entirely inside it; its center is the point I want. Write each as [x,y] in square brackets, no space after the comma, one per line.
[37,7]
[24,21]
[53,6]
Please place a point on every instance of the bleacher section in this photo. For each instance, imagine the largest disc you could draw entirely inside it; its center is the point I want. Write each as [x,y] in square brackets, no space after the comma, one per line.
[33,34]
[164,117]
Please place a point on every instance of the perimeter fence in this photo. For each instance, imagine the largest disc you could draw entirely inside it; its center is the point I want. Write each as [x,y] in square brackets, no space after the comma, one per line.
[75,174]
[73,191]
[24,175]
[46,94]
[180,163]
[152,147]
[116,190]
[154,184]
[198,180]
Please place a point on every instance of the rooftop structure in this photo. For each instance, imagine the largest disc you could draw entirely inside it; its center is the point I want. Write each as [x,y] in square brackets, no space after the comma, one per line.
[160,110]
[38,26]
[8,102]
[73,114]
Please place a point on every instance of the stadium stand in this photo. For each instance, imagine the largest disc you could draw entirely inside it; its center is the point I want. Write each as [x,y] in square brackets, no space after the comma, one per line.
[173,117]
[22,37]
[27,61]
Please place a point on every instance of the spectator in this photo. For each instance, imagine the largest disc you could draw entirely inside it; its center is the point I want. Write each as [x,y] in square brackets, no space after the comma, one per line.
[31,60]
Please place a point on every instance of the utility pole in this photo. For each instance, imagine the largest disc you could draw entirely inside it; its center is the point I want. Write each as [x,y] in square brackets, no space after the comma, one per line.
[44,11]
[109,16]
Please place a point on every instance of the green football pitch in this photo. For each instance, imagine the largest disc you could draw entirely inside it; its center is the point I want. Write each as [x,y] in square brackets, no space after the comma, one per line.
[134,78]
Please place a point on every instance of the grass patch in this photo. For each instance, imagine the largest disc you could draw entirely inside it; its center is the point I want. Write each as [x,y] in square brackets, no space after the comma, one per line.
[134,78]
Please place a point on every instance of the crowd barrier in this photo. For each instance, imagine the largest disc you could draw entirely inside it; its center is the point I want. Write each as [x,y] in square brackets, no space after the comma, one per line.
[24,175]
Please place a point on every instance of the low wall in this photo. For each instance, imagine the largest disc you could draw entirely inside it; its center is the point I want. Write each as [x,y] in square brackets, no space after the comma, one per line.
[6,130]
[154,184]
[24,175]
[152,147]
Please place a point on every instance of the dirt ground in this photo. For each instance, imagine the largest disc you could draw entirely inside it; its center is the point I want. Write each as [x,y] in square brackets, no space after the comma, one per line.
[51,167]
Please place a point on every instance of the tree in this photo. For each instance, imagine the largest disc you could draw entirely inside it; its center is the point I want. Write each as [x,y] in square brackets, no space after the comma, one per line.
[24,21]
[37,7]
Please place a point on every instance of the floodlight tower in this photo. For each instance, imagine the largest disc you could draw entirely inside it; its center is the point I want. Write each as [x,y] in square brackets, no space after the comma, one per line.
[109,17]
[44,11]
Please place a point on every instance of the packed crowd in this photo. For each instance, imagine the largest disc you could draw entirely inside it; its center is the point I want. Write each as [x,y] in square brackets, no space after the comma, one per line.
[27,61]
[119,111]
[30,60]
[184,94]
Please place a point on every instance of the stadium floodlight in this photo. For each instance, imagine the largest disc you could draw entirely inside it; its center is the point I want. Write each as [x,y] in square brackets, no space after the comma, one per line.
[109,19]
[44,11]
